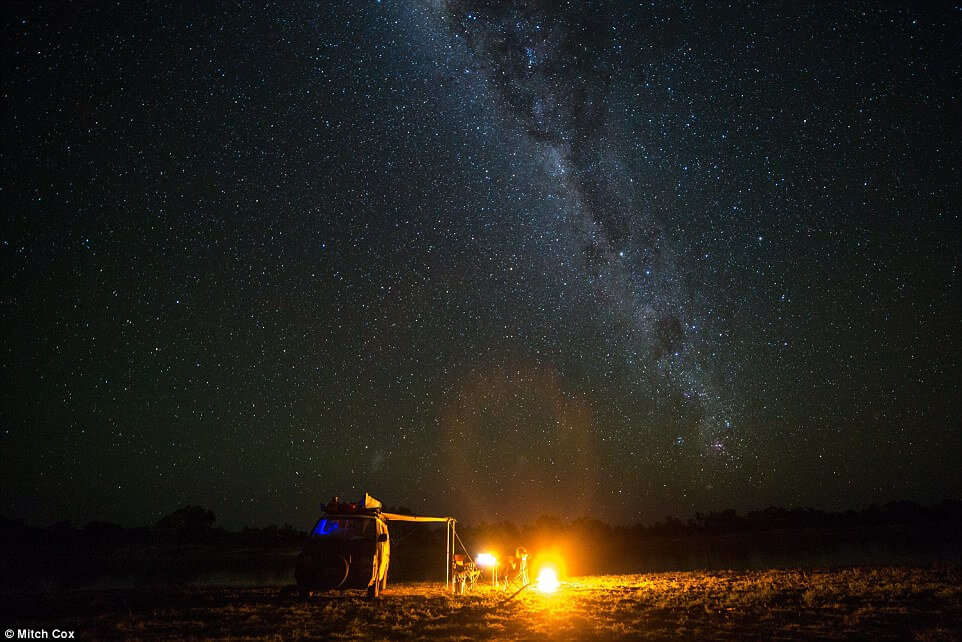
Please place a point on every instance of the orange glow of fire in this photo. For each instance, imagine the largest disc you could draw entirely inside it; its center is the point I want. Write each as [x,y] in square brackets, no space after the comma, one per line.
[547,580]
[485,559]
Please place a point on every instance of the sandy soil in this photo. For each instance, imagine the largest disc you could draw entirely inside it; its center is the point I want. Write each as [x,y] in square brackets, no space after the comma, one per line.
[855,603]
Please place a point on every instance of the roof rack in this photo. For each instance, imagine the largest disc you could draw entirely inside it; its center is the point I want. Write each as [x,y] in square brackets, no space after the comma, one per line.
[367,506]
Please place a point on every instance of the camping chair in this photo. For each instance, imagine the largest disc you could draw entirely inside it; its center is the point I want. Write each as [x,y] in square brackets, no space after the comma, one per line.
[465,574]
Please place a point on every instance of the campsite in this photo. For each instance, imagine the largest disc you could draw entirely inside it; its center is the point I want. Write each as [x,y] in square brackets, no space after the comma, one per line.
[889,572]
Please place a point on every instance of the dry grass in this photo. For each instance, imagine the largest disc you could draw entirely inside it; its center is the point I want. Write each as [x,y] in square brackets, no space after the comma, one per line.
[858,603]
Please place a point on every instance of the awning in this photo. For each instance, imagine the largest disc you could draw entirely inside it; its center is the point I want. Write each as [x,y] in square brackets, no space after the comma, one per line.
[368,503]
[398,517]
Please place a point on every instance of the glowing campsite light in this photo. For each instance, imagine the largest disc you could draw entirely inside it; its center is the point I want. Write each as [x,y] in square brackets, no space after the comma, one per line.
[485,559]
[547,580]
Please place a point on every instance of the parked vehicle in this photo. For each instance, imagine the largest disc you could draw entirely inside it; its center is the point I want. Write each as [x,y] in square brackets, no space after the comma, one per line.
[346,550]
[350,547]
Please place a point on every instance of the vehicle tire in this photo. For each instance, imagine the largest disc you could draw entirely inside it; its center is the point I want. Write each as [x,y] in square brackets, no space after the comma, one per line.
[338,571]
[322,573]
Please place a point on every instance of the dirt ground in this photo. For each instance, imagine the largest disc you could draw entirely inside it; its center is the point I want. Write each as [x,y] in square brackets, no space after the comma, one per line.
[853,603]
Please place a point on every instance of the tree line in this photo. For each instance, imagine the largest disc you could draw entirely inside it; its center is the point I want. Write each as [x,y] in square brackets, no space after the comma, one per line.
[197,525]
[189,540]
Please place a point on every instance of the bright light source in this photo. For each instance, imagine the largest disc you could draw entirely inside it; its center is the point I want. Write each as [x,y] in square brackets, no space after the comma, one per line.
[547,580]
[485,559]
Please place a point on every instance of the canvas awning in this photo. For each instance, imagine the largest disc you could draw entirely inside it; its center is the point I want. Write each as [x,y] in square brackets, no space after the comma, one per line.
[449,538]
[451,535]
[398,517]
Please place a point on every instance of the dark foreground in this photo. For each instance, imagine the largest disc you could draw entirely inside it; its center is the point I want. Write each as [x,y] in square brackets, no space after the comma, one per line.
[855,603]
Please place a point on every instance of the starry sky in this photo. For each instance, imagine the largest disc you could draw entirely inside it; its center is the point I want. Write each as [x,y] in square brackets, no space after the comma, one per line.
[487,259]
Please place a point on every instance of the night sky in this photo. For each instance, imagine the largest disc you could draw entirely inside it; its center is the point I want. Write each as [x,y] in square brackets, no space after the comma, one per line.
[487,259]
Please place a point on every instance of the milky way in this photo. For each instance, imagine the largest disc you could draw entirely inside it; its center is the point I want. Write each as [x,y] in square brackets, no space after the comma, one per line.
[552,66]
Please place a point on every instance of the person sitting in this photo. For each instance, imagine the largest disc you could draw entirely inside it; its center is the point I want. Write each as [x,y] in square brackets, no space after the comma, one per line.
[515,568]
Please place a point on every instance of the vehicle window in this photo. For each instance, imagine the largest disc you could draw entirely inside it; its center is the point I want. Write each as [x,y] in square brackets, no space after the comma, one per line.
[344,528]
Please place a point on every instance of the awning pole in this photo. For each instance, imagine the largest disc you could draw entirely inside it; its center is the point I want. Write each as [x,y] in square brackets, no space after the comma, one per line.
[447,554]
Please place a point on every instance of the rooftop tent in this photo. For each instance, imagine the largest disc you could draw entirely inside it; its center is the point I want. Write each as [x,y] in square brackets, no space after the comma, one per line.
[370,503]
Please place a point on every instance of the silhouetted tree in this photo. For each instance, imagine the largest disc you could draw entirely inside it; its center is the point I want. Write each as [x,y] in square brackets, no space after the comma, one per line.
[187,524]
